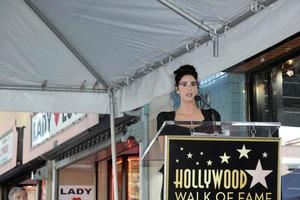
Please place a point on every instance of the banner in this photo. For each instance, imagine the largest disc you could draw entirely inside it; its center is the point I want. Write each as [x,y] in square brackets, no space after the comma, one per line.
[6,146]
[45,125]
[222,168]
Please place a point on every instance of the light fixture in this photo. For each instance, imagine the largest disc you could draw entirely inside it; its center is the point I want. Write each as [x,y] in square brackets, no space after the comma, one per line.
[288,68]
[290,62]
[289,72]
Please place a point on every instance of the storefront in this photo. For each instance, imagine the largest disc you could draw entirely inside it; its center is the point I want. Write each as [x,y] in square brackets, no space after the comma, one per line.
[275,95]
[272,83]
[91,178]
[68,155]
[275,92]
[84,169]
[24,145]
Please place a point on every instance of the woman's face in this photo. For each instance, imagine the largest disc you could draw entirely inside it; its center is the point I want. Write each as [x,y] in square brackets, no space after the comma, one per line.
[187,88]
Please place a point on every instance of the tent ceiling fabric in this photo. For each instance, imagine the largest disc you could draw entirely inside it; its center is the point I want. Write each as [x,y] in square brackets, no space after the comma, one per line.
[117,38]
[31,54]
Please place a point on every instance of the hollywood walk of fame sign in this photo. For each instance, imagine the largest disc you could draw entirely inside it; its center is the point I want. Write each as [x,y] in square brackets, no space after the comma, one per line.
[222,168]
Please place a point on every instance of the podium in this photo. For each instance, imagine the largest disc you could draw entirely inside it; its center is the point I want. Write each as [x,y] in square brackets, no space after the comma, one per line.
[214,161]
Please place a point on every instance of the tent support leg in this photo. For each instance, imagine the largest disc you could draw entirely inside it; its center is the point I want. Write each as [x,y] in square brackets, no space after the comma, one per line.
[113,143]
[54,180]
[144,171]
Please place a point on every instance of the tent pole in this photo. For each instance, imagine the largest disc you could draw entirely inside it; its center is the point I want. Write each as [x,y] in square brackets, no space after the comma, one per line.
[187,16]
[144,171]
[113,142]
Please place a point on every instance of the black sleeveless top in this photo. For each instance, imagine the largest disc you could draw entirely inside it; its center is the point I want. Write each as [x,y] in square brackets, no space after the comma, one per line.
[209,115]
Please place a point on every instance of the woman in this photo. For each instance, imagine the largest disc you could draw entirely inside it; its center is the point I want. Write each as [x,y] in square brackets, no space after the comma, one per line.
[186,83]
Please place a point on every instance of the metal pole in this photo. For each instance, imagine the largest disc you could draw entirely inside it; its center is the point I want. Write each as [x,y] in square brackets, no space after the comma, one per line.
[113,142]
[54,181]
[216,46]
[144,172]
[187,16]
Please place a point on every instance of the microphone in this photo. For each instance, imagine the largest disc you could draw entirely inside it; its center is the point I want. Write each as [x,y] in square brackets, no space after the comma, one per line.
[197,98]
[200,99]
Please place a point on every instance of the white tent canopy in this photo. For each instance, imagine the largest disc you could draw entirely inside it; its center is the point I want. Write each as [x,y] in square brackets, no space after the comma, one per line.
[66,60]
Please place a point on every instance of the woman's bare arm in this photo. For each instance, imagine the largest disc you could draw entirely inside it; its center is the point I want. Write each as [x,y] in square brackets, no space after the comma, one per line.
[161,141]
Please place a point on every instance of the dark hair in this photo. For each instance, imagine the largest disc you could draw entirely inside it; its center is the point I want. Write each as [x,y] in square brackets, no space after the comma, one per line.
[185,70]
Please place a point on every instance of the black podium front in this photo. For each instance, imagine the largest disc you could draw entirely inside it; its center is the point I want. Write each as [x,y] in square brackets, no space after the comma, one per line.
[232,165]
[222,168]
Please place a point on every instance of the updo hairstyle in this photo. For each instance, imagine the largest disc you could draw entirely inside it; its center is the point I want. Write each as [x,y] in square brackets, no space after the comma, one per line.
[185,70]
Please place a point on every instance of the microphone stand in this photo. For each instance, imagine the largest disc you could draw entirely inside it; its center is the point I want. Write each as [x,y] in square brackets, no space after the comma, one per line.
[213,117]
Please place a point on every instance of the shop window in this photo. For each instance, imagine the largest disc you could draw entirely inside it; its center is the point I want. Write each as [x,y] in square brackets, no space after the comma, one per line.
[128,178]
[290,113]
[133,178]
[262,98]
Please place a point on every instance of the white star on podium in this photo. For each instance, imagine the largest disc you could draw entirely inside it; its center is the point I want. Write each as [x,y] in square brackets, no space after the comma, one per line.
[259,175]
[189,155]
[209,163]
[265,155]
[224,158]
[243,152]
